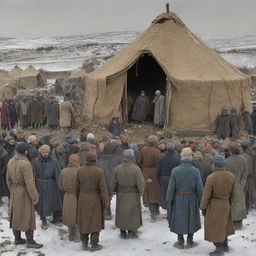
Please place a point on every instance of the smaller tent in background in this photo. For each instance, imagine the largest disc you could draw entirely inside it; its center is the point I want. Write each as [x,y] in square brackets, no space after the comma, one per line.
[31,78]
[15,72]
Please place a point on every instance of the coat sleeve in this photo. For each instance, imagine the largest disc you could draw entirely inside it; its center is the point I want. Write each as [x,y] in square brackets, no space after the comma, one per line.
[243,179]
[57,172]
[60,181]
[140,182]
[114,181]
[103,190]
[206,195]
[28,177]
[199,187]
[158,170]
[8,178]
[171,188]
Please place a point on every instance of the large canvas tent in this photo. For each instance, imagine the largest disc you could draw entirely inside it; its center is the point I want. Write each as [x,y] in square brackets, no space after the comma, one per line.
[15,72]
[196,81]
[5,78]
[30,78]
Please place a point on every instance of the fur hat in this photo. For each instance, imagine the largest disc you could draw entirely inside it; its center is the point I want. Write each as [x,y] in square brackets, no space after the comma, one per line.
[219,160]
[31,139]
[44,148]
[90,136]
[91,157]
[22,147]
[170,146]
[129,153]
[186,152]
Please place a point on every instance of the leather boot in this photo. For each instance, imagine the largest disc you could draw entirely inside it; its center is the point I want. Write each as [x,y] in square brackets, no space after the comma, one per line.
[44,223]
[31,243]
[190,242]
[132,234]
[238,225]
[84,239]
[180,243]
[18,240]
[95,242]
[71,233]
[123,234]
[225,245]
[76,235]
[219,251]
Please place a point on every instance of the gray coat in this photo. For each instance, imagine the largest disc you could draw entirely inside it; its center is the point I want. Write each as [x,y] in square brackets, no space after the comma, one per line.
[238,166]
[159,111]
[4,191]
[222,126]
[52,113]
[184,193]
[128,183]
[47,172]
[141,109]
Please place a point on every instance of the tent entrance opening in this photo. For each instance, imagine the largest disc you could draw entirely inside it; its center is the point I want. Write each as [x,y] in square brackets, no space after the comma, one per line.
[146,74]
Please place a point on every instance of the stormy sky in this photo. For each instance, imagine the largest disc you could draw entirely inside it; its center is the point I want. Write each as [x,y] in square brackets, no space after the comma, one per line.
[40,18]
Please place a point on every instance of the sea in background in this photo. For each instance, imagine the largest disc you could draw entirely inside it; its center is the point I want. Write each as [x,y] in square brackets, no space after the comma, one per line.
[71,52]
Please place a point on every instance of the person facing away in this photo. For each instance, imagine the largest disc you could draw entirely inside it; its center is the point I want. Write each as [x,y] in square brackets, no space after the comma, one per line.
[92,196]
[141,108]
[159,110]
[128,183]
[222,124]
[47,172]
[52,113]
[67,184]
[23,197]
[234,123]
[184,194]
[246,122]
[216,206]
[237,165]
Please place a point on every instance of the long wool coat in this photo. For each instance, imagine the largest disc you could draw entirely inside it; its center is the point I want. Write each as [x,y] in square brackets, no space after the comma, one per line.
[92,198]
[246,122]
[141,109]
[21,183]
[5,115]
[47,173]
[12,113]
[128,183]
[164,168]
[217,198]
[238,166]
[184,194]
[234,125]
[148,160]
[204,168]
[67,184]
[52,113]
[4,191]
[159,110]
[222,126]
[67,114]
[35,111]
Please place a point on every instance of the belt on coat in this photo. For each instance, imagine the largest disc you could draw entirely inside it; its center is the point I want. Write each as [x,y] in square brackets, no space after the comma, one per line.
[127,189]
[186,192]
[221,197]
[43,180]
[18,185]
[89,191]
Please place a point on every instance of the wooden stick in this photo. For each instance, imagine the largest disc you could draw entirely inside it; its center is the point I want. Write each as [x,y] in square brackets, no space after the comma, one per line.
[167,7]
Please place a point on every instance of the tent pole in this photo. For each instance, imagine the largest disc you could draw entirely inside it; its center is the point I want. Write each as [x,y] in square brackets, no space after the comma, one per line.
[167,7]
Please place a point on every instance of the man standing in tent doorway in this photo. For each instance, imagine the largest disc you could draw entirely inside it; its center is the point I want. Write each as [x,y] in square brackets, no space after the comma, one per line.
[141,108]
[159,109]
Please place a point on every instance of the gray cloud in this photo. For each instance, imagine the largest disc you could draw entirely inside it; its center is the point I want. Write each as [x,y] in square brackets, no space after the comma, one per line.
[35,18]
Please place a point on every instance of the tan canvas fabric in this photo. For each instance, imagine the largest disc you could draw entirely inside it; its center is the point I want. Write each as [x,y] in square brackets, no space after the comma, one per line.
[5,78]
[202,82]
[15,72]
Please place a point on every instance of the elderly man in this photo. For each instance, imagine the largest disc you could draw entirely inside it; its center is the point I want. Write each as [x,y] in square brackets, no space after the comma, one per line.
[128,183]
[184,193]
[93,198]
[238,166]
[159,109]
[216,206]
[164,168]
[32,151]
[148,160]
[47,172]
[24,196]
[67,184]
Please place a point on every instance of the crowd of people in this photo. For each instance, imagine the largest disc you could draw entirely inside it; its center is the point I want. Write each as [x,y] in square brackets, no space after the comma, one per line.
[74,182]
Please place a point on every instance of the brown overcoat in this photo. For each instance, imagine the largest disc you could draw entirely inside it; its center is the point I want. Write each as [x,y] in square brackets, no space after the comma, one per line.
[67,114]
[35,111]
[217,199]
[148,159]
[128,183]
[67,184]
[93,198]
[23,194]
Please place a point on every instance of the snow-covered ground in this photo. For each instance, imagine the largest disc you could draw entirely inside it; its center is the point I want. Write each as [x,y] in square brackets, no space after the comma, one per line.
[154,239]
[68,53]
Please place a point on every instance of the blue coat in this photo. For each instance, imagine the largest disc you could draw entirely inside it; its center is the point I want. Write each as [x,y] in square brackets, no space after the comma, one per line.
[185,215]
[47,172]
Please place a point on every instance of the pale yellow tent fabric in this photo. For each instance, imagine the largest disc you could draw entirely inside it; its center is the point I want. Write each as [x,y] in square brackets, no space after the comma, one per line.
[201,82]
[5,78]
[30,78]
[15,72]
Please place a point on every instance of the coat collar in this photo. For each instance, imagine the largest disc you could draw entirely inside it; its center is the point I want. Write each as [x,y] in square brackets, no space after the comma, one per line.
[20,157]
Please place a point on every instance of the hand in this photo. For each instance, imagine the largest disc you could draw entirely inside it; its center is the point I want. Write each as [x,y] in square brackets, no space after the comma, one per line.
[35,202]
[204,212]
[149,181]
